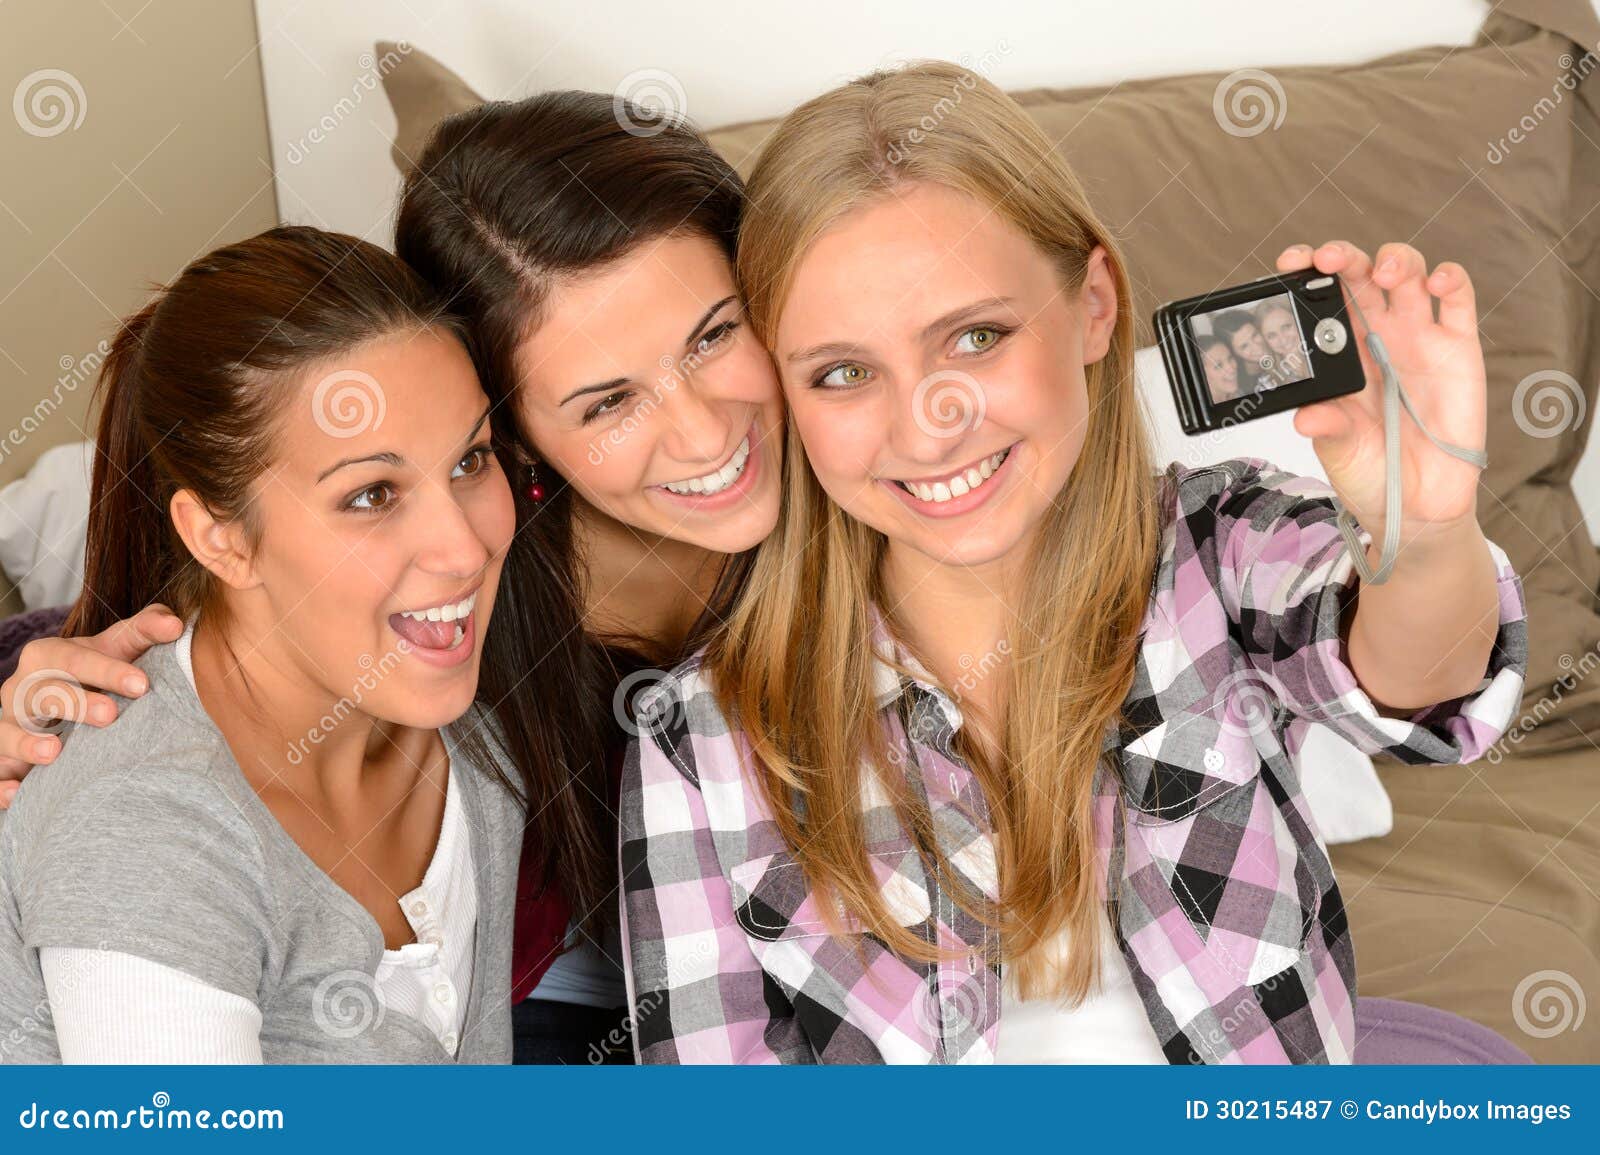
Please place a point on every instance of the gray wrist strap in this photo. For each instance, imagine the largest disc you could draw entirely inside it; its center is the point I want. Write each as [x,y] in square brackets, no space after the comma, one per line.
[1394,395]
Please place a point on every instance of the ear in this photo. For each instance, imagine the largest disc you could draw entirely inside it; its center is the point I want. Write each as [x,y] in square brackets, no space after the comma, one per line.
[220,546]
[1098,298]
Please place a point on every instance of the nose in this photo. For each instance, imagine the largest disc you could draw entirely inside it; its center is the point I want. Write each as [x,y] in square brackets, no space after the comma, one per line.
[932,416]
[449,544]
[696,425]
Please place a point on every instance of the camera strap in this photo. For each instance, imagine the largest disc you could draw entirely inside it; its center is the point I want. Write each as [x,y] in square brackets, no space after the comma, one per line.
[1394,396]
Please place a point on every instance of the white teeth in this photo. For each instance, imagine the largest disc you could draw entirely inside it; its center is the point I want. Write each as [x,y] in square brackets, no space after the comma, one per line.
[718,480]
[456,640]
[958,486]
[453,612]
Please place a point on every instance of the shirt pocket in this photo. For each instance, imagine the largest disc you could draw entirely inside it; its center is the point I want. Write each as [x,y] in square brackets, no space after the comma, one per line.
[1213,831]
[773,902]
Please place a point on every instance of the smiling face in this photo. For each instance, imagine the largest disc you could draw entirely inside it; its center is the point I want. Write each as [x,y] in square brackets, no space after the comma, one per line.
[1222,368]
[1249,346]
[403,515]
[644,388]
[1278,327]
[934,367]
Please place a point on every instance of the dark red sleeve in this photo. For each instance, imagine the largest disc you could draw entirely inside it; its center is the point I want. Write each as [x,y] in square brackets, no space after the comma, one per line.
[543,913]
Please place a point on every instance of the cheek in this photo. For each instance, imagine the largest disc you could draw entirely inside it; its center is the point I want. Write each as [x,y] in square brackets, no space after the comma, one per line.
[747,374]
[842,442]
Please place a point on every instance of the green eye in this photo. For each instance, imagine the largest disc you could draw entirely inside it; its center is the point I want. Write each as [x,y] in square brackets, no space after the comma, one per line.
[845,376]
[978,338]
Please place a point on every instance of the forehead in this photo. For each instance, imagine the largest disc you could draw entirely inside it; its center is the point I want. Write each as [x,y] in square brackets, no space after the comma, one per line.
[905,257]
[618,320]
[415,394]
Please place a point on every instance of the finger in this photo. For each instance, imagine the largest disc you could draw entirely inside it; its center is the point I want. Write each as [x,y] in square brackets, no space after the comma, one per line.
[1355,270]
[21,750]
[131,637]
[1294,258]
[8,792]
[1458,303]
[1323,420]
[1400,270]
[71,660]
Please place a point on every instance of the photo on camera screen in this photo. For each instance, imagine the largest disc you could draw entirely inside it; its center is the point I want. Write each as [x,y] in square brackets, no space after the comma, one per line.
[1251,348]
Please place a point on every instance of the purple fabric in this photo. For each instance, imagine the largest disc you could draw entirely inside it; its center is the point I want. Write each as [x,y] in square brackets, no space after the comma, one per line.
[1389,1031]
[20,629]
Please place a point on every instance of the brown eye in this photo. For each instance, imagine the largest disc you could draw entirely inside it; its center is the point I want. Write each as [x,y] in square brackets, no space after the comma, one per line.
[373,498]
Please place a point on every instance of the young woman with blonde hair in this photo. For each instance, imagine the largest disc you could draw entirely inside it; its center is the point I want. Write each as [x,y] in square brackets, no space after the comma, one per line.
[993,760]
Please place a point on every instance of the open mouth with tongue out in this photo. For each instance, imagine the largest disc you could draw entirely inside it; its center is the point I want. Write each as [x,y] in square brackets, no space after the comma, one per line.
[441,635]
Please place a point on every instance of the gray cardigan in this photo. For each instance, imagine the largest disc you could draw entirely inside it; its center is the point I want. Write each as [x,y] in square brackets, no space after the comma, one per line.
[145,838]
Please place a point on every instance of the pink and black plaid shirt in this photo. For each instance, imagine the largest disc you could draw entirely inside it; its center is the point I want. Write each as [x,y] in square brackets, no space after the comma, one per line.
[1219,888]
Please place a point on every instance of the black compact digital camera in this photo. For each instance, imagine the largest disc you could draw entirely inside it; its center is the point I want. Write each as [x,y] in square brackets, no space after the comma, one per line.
[1275,343]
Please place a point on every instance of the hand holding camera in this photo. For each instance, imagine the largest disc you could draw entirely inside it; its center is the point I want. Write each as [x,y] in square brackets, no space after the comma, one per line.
[1297,340]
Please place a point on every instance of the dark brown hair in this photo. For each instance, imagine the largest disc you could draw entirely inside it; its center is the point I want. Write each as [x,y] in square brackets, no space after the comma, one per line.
[506,199]
[190,393]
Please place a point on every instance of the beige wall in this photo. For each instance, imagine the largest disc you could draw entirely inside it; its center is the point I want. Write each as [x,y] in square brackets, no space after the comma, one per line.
[170,159]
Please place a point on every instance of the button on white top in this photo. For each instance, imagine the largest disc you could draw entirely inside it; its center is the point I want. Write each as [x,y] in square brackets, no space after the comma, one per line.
[1213,759]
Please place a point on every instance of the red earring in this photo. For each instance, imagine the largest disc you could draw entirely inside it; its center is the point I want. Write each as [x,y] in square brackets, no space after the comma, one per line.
[535,486]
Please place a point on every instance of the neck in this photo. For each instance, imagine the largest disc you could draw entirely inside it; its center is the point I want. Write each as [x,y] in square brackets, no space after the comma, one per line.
[957,620]
[274,711]
[642,586]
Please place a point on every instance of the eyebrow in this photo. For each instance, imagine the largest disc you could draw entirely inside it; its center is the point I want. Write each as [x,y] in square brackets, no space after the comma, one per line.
[392,459]
[618,382]
[930,330]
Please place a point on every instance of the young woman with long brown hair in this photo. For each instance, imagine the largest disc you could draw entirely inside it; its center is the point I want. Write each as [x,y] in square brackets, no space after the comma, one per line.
[993,759]
[299,844]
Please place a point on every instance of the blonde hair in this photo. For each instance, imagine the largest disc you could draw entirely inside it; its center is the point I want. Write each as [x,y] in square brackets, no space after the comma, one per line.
[794,667]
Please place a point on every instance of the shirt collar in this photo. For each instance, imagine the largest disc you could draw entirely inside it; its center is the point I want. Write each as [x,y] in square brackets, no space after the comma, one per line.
[890,685]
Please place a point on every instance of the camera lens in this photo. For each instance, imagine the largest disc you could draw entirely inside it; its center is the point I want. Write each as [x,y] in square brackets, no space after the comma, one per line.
[1330,335]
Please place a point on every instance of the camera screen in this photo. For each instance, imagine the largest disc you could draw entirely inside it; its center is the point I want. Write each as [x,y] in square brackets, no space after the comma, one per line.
[1251,348]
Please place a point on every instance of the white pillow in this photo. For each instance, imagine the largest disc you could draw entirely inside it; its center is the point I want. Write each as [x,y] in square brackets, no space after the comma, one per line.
[43,519]
[1341,785]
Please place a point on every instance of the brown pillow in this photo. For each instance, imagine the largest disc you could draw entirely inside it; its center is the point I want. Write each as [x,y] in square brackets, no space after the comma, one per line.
[1415,146]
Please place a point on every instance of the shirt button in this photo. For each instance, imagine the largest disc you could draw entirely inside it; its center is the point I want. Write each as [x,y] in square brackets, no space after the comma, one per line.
[448,1041]
[419,909]
[433,938]
[1213,759]
[443,993]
